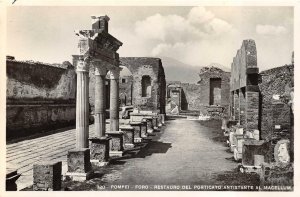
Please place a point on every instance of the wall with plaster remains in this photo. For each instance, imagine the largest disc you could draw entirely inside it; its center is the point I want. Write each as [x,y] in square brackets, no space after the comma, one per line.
[38,96]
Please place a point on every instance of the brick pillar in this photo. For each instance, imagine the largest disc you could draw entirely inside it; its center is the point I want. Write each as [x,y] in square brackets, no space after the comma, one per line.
[252,107]
[236,105]
[114,100]
[82,104]
[242,107]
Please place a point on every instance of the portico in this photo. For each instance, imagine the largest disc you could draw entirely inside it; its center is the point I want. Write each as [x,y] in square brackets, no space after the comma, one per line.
[98,51]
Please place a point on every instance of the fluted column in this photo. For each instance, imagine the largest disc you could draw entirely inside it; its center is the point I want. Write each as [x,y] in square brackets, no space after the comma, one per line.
[100,73]
[82,104]
[114,100]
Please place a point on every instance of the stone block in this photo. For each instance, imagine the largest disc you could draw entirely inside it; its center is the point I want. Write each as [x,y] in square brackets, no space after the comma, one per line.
[99,150]
[79,164]
[149,124]
[155,122]
[47,176]
[116,143]
[140,129]
[252,147]
[128,140]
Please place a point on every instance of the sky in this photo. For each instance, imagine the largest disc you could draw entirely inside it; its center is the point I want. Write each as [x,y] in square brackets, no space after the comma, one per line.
[196,36]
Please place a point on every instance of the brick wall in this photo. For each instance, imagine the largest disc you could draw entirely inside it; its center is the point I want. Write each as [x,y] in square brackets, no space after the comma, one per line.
[276,81]
[197,96]
[152,67]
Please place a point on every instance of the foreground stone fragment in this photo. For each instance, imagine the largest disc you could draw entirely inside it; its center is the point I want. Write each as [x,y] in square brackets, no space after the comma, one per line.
[11,178]
[47,176]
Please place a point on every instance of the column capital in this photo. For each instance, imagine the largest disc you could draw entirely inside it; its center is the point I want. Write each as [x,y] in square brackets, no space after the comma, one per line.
[115,73]
[100,70]
[83,64]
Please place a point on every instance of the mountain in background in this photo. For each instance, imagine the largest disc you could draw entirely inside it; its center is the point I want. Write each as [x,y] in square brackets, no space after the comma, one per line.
[179,71]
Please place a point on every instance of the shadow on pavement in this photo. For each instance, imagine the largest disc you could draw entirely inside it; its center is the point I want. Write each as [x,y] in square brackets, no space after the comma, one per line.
[154,147]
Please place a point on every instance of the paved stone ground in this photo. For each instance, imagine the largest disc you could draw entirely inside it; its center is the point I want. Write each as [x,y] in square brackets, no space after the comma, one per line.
[185,152]
[23,154]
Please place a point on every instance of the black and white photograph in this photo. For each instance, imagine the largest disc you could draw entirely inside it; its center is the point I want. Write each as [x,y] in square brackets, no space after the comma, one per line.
[173,97]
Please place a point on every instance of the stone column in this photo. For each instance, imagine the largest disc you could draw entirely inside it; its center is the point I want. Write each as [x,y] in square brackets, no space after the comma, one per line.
[100,73]
[82,104]
[100,144]
[114,100]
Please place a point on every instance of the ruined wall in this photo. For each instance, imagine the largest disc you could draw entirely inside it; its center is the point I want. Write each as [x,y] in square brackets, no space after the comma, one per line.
[152,67]
[212,73]
[191,96]
[174,97]
[196,97]
[276,81]
[125,90]
[244,87]
[38,96]
[29,80]
[206,76]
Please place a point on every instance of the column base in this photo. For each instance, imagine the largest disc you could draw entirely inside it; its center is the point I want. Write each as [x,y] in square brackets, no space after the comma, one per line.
[116,144]
[138,140]
[116,153]
[79,176]
[149,131]
[79,164]
[128,146]
[138,126]
[99,149]
[98,163]
[150,125]
[128,140]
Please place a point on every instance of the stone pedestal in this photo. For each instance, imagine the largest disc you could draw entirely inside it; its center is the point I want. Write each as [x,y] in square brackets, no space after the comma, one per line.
[138,129]
[99,151]
[144,128]
[79,164]
[162,118]
[47,176]
[116,143]
[155,122]
[149,125]
[11,178]
[128,140]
